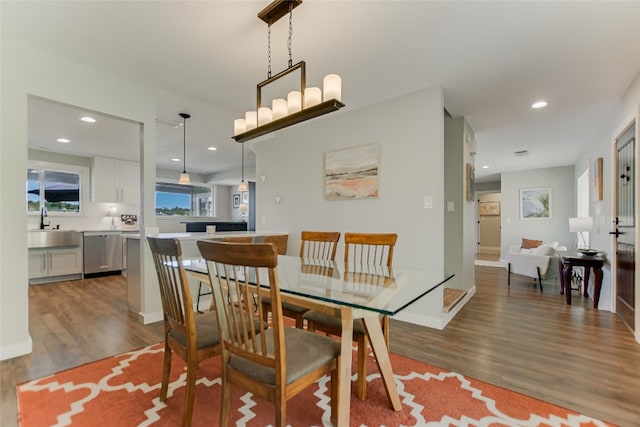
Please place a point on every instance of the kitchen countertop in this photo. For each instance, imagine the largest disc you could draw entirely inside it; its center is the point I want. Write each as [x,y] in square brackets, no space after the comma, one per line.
[219,234]
[82,230]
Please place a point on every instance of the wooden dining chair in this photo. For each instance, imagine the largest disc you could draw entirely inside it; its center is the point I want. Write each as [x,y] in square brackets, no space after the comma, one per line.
[317,245]
[275,363]
[361,250]
[281,241]
[192,337]
[235,239]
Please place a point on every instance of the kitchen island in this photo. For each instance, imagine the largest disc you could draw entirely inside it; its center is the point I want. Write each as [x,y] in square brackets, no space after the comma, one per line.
[188,243]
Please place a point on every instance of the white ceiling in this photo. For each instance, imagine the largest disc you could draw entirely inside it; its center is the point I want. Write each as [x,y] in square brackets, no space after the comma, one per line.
[493,60]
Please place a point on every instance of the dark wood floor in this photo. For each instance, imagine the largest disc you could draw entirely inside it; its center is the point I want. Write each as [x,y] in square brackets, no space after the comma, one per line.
[516,337]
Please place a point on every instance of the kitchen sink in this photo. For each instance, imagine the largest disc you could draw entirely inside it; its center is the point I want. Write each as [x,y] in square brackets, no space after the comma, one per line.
[53,238]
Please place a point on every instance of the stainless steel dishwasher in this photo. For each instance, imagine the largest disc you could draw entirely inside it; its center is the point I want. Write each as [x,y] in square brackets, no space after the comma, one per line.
[102,252]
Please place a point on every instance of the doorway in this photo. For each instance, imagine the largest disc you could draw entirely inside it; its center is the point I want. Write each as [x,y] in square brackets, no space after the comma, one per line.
[489,229]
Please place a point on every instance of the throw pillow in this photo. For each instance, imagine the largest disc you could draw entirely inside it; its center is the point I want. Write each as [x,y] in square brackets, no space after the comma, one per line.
[530,244]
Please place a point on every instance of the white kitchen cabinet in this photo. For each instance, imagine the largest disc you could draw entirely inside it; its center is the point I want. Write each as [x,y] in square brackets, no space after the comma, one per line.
[115,181]
[48,265]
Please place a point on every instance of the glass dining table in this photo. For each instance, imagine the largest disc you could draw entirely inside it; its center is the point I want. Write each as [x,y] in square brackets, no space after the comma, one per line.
[351,292]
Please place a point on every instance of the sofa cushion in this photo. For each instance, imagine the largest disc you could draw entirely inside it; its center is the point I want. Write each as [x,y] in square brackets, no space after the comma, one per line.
[530,244]
[545,250]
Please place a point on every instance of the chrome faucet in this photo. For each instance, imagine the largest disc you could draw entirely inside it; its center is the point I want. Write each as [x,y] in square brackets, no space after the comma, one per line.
[43,213]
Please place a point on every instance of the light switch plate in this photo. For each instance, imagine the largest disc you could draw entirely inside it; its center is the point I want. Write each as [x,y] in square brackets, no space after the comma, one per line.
[428,202]
[450,206]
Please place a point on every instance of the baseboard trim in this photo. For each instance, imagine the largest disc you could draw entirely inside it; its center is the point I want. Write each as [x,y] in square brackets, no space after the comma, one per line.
[148,318]
[421,320]
[15,350]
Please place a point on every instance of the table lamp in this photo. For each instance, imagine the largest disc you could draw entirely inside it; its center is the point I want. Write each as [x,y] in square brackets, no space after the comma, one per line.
[112,213]
[580,225]
[244,207]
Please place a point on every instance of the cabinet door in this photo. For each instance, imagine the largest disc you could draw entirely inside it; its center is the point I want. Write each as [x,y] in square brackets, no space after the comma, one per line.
[38,263]
[129,182]
[104,180]
[65,261]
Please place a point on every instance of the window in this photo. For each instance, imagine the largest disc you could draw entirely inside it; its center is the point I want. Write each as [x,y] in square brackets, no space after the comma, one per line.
[582,205]
[184,200]
[55,190]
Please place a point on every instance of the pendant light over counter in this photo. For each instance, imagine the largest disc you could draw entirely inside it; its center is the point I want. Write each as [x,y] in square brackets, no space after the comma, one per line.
[299,106]
[243,185]
[184,176]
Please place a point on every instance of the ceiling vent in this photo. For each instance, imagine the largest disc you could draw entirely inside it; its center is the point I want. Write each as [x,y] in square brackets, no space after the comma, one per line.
[521,153]
[167,122]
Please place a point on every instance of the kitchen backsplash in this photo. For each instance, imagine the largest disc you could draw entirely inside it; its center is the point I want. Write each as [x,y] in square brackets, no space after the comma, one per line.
[93,218]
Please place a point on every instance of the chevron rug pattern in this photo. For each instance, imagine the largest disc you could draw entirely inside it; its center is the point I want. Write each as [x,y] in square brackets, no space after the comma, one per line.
[124,391]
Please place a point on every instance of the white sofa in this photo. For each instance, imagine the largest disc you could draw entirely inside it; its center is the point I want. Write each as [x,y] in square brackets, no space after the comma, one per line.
[539,263]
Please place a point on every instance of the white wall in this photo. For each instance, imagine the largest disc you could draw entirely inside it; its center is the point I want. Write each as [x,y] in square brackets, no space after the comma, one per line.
[24,72]
[562,184]
[410,131]
[601,145]
[460,230]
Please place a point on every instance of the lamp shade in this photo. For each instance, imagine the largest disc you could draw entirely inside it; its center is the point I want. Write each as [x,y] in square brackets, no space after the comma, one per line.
[112,212]
[577,225]
[184,178]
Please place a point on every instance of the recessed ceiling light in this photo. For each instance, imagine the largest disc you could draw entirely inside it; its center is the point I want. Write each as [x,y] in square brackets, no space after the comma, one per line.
[212,148]
[63,140]
[539,104]
[175,159]
[88,119]
[485,167]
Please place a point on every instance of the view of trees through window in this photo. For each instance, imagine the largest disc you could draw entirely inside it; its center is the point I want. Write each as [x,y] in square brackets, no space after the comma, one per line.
[183,200]
[56,191]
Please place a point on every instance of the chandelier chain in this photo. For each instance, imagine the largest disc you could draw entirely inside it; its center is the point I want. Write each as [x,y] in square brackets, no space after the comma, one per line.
[269,51]
[289,42]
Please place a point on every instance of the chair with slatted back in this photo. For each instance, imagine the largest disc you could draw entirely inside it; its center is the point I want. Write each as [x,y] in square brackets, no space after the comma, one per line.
[316,245]
[275,363]
[362,250]
[234,239]
[192,337]
[319,244]
[280,240]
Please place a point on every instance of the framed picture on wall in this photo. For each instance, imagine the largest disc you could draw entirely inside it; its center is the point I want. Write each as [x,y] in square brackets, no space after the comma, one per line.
[352,173]
[535,203]
[245,197]
[489,208]
[597,178]
[470,182]
[236,201]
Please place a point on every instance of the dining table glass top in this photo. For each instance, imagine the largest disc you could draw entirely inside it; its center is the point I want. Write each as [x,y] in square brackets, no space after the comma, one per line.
[375,288]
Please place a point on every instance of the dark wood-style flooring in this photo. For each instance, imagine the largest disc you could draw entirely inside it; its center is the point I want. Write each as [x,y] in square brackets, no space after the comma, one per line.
[516,337]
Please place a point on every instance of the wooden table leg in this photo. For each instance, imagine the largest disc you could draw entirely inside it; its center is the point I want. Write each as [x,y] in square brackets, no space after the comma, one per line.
[378,344]
[344,390]
[585,281]
[597,273]
[568,270]
[561,271]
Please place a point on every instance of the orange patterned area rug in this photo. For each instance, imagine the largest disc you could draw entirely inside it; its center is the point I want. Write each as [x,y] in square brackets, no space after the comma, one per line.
[124,391]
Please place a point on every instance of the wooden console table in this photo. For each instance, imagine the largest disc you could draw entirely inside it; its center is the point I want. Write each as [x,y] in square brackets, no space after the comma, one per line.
[566,264]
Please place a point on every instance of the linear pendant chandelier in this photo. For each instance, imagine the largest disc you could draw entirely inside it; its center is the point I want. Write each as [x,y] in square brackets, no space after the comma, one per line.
[299,106]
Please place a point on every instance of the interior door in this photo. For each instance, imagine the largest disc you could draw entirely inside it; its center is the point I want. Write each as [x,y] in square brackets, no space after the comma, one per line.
[625,232]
